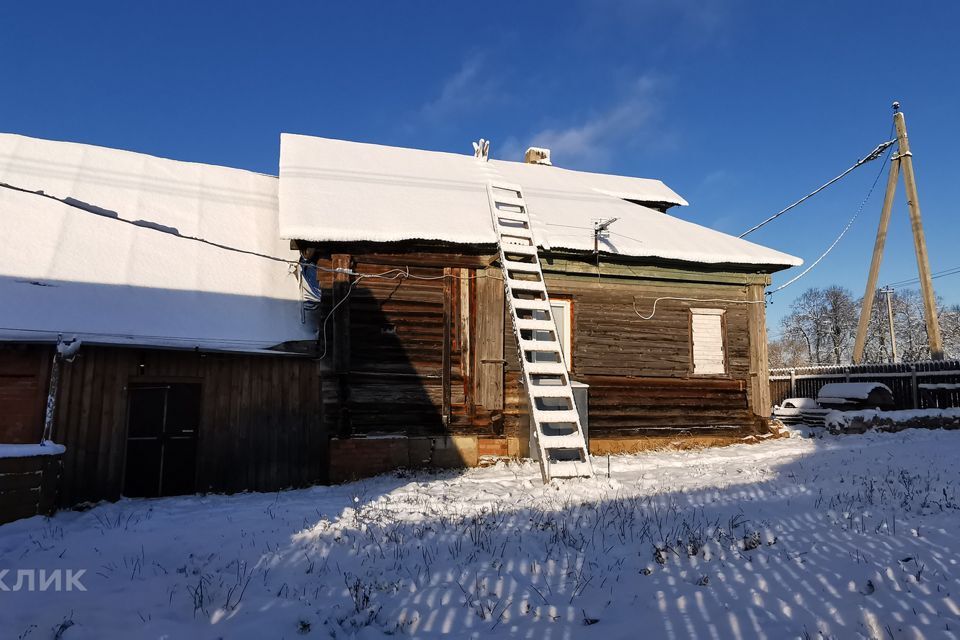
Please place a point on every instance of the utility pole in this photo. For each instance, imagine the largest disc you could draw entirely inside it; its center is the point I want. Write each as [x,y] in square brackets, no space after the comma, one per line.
[919,241]
[893,331]
[905,158]
[867,307]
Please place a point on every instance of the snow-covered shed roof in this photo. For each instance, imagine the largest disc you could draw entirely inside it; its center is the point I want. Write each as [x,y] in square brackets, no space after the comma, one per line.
[850,390]
[334,190]
[77,270]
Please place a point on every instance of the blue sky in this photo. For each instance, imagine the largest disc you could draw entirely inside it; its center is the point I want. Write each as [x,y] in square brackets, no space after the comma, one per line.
[741,107]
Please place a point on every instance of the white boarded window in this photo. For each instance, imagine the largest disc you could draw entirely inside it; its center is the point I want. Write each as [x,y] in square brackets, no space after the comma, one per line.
[706,331]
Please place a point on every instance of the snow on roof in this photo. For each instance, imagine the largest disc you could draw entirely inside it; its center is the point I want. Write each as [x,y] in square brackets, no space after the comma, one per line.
[68,270]
[334,190]
[849,390]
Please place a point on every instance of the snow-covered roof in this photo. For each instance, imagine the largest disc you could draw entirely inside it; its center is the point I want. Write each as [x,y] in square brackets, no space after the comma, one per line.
[74,270]
[334,190]
[849,390]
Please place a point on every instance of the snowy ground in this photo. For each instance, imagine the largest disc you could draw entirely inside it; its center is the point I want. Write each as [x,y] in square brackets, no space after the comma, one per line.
[841,537]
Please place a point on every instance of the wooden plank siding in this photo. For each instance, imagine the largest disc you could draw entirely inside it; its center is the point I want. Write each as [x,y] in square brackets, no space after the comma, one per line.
[261,424]
[640,371]
[490,326]
[424,348]
[24,374]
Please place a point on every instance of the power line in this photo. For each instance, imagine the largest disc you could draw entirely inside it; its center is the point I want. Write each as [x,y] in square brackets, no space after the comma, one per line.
[899,284]
[391,274]
[143,224]
[160,228]
[873,155]
[863,203]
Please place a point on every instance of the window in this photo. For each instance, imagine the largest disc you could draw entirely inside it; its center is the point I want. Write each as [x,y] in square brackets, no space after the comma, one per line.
[562,319]
[706,332]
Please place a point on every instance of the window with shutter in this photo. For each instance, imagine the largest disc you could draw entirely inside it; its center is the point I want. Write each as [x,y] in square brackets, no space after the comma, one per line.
[706,331]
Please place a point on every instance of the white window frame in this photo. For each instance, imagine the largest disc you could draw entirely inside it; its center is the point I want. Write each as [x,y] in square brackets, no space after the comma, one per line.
[565,336]
[708,370]
[564,306]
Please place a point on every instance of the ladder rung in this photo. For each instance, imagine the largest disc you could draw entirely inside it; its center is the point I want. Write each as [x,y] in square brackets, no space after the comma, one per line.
[528,324]
[546,368]
[525,267]
[526,285]
[551,391]
[505,186]
[566,441]
[511,217]
[570,469]
[530,305]
[539,345]
[522,249]
[507,230]
[510,201]
[516,236]
[556,415]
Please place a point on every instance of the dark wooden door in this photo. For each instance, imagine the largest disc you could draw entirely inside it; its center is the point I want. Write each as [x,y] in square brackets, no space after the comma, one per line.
[162,426]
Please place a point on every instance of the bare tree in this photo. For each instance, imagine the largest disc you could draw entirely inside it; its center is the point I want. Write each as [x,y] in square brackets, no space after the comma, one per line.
[841,314]
[821,325]
[819,328]
[950,330]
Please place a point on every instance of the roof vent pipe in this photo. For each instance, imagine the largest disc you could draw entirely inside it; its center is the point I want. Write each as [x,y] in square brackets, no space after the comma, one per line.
[537,155]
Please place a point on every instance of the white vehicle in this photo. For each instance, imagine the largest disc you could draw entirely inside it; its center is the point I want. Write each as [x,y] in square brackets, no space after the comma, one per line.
[790,411]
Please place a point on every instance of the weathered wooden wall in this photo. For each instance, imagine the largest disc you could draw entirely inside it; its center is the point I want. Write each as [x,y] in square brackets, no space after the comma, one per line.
[405,362]
[438,355]
[640,371]
[24,370]
[261,419]
[29,486]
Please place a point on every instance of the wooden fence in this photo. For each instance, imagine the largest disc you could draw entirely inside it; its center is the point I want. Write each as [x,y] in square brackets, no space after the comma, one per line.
[909,381]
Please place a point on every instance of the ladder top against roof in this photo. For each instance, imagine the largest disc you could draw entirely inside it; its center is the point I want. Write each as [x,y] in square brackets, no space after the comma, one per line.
[553,412]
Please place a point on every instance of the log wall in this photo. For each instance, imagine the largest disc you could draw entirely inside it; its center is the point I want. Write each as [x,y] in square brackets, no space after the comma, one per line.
[423,359]
[640,371]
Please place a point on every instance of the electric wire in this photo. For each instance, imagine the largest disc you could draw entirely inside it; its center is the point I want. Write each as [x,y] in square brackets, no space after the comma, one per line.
[295,266]
[843,232]
[899,284]
[159,228]
[873,155]
[653,311]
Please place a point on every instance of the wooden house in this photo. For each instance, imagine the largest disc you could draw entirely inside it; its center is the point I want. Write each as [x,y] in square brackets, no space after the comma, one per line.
[662,320]
[190,373]
[235,331]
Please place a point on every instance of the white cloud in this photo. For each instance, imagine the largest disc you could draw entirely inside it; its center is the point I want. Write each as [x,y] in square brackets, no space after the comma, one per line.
[466,89]
[592,141]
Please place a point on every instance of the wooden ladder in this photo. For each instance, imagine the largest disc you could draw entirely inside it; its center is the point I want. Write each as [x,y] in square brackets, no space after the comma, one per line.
[553,413]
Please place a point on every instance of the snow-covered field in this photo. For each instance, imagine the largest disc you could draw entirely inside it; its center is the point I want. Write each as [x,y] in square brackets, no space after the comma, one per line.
[841,537]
